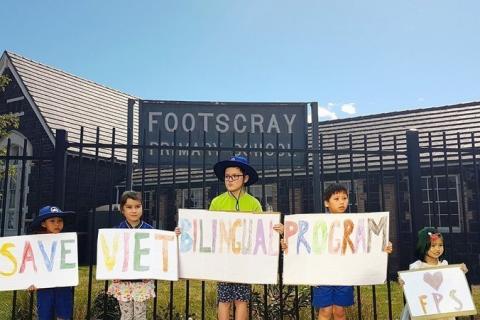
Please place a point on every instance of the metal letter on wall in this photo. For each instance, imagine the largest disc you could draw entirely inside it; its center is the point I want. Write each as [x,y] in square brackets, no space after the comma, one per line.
[231,121]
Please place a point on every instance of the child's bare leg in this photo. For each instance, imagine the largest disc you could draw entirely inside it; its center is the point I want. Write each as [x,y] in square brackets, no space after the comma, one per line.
[241,310]
[223,311]
[339,313]
[325,313]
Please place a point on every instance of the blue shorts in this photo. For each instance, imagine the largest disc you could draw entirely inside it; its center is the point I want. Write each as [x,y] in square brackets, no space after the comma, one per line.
[228,292]
[325,296]
[55,303]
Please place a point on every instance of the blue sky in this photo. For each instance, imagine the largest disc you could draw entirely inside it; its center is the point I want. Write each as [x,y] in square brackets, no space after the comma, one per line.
[352,57]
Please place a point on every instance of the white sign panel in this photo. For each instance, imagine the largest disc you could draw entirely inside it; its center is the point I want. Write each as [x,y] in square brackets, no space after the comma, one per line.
[137,254]
[336,249]
[226,246]
[436,293]
[44,261]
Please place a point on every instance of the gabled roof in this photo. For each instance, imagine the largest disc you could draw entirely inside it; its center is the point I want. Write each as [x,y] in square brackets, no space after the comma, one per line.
[65,101]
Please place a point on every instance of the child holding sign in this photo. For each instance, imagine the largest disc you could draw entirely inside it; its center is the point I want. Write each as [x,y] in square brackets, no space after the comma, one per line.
[132,294]
[429,252]
[328,299]
[56,302]
[237,174]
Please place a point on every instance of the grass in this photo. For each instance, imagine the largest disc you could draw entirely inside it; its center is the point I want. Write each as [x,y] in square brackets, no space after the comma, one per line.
[195,298]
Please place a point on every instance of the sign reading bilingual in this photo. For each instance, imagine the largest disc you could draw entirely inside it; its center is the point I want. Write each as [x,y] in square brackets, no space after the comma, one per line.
[137,254]
[238,124]
[45,261]
[440,292]
[225,246]
[336,249]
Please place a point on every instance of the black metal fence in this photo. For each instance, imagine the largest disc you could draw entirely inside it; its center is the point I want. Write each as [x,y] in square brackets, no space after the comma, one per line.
[430,179]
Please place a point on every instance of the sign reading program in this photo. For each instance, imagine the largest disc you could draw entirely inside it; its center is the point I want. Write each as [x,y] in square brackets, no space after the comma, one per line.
[241,125]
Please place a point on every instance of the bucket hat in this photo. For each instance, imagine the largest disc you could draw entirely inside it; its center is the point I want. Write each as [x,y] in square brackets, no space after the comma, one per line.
[236,161]
[48,212]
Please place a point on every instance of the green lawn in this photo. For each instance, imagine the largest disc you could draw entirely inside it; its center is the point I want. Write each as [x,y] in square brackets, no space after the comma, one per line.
[179,293]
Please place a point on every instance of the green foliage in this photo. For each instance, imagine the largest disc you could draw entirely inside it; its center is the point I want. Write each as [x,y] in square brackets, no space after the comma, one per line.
[4,81]
[105,307]
[290,304]
[8,122]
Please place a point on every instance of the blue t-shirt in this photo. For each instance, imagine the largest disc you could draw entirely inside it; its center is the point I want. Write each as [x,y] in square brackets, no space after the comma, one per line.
[142,225]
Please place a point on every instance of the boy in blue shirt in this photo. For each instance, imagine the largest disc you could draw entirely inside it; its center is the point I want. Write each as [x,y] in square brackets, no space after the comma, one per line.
[332,300]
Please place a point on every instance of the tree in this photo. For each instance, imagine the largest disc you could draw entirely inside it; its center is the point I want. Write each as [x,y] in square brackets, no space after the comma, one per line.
[7,121]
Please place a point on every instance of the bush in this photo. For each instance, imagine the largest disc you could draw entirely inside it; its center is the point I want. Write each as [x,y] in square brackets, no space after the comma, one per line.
[105,307]
[290,305]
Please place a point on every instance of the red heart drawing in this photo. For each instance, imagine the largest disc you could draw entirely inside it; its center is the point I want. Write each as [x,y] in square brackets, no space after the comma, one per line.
[434,280]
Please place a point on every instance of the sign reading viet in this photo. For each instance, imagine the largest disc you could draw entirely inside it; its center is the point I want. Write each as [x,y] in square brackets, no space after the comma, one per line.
[44,261]
[439,292]
[242,125]
[137,254]
[336,249]
[226,246]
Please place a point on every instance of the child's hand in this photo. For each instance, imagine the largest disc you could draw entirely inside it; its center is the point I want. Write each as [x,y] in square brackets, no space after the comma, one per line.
[32,288]
[284,245]
[388,248]
[178,231]
[401,282]
[464,268]
[279,228]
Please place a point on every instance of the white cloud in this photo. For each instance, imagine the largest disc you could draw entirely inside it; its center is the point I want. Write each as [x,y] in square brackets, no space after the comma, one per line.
[326,113]
[349,108]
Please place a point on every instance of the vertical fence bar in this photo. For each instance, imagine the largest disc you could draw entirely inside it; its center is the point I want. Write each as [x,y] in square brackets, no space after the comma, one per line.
[110,208]
[60,165]
[414,181]
[79,171]
[451,240]
[157,214]
[92,225]
[433,214]
[5,189]
[204,206]
[189,204]
[280,266]
[20,214]
[129,150]
[353,195]
[382,188]
[264,200]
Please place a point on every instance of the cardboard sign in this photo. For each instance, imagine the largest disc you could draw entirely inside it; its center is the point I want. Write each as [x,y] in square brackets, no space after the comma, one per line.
[226,246]
[44,261]
[438,292]
[137,254]
[336,249]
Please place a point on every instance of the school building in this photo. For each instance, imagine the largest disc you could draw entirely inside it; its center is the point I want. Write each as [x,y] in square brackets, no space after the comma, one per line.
[74,148]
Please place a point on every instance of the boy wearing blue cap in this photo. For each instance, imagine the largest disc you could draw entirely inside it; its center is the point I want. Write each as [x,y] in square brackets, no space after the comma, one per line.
[56,303]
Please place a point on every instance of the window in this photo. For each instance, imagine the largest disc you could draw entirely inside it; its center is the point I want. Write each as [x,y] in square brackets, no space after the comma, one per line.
[194,200]
[440,201]
[256,191]
[13,192]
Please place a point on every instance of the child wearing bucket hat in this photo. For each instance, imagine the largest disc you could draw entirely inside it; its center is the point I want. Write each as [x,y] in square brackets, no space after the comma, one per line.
[52,303]
[237,174]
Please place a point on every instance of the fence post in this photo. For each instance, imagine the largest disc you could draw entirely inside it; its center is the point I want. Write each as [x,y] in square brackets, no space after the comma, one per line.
[60,167]
[129,164]
[317,201]
[415,181]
